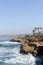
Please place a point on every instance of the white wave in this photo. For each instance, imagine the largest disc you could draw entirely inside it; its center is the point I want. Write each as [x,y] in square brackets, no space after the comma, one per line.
[8,52]
[24,59]
[3,51]
[16,57]
[8,42]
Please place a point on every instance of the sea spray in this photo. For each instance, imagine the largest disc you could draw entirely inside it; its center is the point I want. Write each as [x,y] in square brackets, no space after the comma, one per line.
[10,54]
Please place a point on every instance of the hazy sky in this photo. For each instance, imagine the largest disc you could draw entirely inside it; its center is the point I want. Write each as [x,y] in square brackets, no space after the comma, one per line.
[20,16]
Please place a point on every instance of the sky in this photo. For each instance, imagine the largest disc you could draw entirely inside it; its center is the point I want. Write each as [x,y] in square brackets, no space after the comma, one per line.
[20,16]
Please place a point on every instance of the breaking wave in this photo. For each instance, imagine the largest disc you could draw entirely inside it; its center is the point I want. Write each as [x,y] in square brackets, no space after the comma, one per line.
[10,53]
[8,42]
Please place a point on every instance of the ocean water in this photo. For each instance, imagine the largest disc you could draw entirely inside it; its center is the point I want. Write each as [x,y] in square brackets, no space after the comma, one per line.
[10,54]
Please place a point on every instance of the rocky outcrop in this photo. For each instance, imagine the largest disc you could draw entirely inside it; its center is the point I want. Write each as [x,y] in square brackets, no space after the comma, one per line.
[13,40]
[31,48]
[28,48]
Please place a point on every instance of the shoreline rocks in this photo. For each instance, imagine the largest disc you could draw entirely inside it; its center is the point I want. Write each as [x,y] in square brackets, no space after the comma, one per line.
[28,48]
[31,48]
[13,40]
[31,44]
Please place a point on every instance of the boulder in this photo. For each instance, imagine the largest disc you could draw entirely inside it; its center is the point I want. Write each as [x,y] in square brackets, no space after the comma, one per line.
[28,48]
[31,48]
[12,40]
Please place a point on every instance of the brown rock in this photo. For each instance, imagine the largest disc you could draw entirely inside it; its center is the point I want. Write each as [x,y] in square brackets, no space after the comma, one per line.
[28,48]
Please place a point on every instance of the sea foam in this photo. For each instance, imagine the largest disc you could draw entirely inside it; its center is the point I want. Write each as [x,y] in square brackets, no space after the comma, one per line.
[25,59]
[11,55]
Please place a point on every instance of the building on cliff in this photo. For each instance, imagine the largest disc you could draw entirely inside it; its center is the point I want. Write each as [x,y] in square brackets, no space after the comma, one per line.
[38,31]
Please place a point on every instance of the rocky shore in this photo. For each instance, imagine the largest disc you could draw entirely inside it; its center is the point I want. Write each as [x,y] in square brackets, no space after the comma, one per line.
[31,48]
[13,40]
[31,44]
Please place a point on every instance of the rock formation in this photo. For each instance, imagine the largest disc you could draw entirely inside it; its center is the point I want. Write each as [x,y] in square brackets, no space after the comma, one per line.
[28,48]
[31,48]
[13,40]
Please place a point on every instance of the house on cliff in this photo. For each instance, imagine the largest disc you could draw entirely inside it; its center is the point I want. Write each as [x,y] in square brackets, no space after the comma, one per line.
[38,31]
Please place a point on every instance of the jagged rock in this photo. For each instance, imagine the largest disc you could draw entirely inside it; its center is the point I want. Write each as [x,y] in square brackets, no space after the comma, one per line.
[31,48]
[12,40]
[28,48]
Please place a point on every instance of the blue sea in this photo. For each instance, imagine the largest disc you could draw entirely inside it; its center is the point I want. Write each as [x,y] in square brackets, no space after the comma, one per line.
[10,54]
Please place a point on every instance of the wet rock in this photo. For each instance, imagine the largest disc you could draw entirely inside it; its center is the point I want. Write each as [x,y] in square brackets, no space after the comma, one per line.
[13,40]
[42,59]
[40,51]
